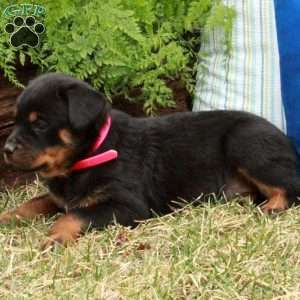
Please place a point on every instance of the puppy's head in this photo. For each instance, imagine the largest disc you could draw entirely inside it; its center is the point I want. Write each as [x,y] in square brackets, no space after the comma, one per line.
[56,120]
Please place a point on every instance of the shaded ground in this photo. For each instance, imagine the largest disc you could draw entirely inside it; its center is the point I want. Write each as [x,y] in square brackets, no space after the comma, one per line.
[8,94]
[181,97]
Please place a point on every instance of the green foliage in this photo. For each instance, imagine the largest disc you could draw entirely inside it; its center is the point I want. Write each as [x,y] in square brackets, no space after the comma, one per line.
[117,45]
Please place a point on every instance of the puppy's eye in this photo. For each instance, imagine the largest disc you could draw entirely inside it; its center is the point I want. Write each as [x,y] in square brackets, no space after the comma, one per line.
[40,125]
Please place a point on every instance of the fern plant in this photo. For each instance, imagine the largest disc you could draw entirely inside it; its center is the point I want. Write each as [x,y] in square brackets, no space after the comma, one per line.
[118,45]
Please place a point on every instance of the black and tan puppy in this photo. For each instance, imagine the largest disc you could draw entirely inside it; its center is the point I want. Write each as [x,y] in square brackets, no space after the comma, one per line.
[159,159]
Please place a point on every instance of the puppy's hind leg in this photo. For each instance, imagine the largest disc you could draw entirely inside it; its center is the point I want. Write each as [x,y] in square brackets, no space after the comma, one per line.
[279,196]
[264,156]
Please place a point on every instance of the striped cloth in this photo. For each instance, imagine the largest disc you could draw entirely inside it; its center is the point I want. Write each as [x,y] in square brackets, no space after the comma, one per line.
[250,78]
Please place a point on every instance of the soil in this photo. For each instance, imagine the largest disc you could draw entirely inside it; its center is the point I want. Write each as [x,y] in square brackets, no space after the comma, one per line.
[8,95]
[181,96]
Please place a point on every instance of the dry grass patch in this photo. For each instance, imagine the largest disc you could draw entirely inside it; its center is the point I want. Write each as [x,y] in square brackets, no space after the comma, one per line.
[217,251]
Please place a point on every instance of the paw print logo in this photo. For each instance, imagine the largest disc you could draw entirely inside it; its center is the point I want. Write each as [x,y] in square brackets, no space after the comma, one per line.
[24,32]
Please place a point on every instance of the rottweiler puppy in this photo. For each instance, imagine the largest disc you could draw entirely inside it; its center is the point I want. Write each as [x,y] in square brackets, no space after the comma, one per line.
[103,166]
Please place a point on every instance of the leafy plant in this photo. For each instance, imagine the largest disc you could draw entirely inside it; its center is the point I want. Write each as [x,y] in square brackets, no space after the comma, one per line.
[118,45]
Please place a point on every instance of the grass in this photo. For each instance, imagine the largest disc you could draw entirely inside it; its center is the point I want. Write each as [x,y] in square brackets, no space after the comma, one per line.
[216,251]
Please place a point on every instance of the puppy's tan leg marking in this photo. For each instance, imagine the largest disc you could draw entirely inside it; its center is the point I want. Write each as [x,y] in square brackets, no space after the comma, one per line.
[65,230]
[276,196]
[42,205]
[276,203]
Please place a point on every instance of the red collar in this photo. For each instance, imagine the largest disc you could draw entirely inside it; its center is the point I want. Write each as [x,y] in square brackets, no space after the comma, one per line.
[101,158]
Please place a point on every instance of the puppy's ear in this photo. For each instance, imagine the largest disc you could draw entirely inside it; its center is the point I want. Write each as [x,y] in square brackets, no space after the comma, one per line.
[85,105]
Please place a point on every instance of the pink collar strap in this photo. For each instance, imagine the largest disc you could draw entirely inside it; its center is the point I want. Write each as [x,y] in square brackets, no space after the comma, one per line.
[101,158]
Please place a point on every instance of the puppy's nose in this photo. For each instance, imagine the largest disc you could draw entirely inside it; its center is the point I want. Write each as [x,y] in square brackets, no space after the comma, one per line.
[10,147]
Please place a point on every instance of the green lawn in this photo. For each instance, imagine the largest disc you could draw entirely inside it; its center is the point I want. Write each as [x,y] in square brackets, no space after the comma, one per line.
[217,251]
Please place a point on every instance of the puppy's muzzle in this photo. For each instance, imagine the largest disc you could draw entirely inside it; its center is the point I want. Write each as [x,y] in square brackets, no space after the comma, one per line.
[11,145]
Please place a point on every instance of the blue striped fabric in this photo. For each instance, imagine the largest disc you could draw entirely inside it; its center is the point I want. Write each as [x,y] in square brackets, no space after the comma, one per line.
[250,78]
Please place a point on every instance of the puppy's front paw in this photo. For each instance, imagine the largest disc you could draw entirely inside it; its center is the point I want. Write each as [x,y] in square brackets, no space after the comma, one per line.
[7,217]
[65,230]
[57,239]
